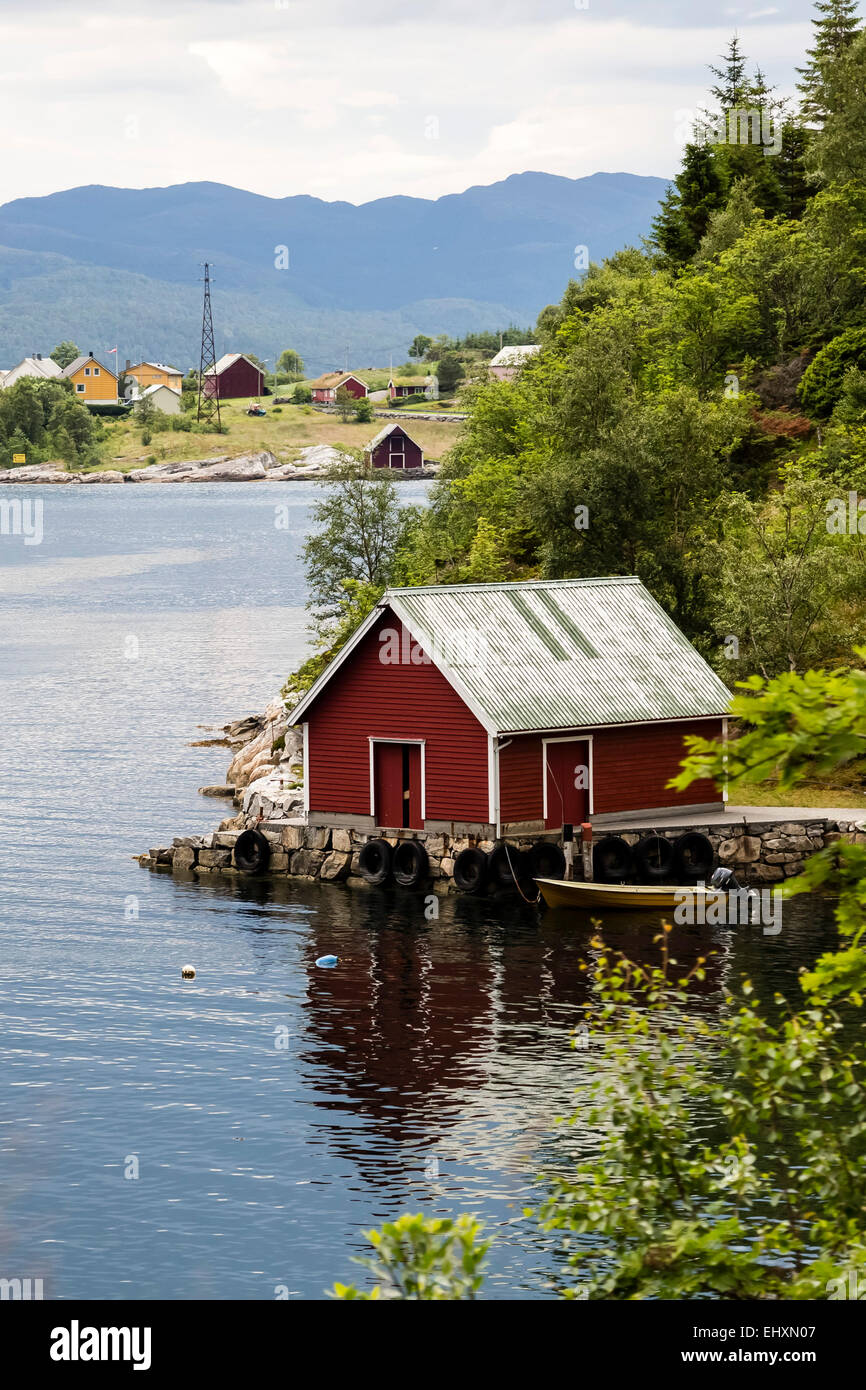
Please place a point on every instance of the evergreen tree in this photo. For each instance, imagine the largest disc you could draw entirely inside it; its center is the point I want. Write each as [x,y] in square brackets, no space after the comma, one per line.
[837,153]
[835,29]
[697,191]
[732,86]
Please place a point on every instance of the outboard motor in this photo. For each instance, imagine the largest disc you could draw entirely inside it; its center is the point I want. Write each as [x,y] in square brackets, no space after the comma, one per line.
[724,881]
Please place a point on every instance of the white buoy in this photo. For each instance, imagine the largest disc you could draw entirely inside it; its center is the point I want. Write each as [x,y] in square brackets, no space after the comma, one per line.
[188,972]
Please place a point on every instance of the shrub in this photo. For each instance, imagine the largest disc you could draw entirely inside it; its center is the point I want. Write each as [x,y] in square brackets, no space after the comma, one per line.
[822,381]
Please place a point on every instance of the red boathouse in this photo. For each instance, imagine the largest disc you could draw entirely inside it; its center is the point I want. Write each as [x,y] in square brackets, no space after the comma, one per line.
[394,448]
[495,708]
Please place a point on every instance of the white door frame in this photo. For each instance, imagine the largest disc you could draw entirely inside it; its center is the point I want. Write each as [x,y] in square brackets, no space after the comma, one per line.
[417,742]
[570,738]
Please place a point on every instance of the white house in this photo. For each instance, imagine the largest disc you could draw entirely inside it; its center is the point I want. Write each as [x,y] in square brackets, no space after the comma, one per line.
[165,398]
[44,368]
[509,361]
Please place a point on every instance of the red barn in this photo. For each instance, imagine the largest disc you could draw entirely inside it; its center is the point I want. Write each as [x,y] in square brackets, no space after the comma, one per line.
[234,375]
[498,707]
[325,388]
[394,448]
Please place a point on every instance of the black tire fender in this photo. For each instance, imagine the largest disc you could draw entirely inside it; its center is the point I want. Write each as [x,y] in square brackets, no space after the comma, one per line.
[506,864]
[694,858]
[654,856]
[252,852]
[374,861]
[612,860]
[471,870]
[546,860]
[410,864]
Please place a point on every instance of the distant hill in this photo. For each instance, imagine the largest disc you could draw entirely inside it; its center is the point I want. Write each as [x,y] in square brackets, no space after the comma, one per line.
[108,266]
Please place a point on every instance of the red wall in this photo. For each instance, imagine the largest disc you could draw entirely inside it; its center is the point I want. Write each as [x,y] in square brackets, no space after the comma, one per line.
[240,379]
[413,456]
[369,698]
[630,767]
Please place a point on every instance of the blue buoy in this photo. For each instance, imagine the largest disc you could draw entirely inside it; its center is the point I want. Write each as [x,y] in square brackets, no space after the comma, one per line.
[327,962]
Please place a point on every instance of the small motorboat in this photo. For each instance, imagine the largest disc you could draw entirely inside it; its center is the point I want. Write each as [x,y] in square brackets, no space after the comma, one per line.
[628,897]
[620,896]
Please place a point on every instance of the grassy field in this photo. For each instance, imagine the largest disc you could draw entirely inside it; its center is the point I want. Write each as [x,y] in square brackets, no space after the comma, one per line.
[284,433]
[805,794]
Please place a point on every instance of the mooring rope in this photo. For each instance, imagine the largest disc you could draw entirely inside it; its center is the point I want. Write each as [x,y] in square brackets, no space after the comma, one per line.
[532,901]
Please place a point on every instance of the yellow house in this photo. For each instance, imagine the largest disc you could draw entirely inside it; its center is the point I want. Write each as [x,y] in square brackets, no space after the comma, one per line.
[92,381]
[155,374]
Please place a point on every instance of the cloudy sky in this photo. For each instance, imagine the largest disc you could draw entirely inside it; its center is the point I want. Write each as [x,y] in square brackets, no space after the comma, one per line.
[353,100]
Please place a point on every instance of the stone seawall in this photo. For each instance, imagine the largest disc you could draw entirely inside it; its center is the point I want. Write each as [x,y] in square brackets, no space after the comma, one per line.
[759,852]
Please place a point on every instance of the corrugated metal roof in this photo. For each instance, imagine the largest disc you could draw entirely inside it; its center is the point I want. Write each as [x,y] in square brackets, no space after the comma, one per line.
[560,654]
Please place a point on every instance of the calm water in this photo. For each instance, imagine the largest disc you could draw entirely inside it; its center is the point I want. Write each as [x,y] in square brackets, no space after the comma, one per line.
[274,1110]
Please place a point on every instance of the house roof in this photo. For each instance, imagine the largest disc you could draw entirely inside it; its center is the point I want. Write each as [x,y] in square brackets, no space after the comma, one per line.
[86,361]
[35,366]
[331,379]
[417,379]
[552,654]
[515,356]
[389,429]
[228,359]
[157,367]
[158,386]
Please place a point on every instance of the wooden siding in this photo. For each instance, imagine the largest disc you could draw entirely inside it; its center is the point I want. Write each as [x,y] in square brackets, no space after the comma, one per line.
[386,454]
[369,698]
[632,765]
[630,769]
[240,379]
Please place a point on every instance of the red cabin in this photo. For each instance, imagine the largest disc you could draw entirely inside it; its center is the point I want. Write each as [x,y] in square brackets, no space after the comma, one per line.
[325,388]
[233,376]
[495,708]
[394,448]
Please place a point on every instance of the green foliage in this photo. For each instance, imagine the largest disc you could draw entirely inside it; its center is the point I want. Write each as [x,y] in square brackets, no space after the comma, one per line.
[44,420]
[302,395]
[290,364]
[65,353]
[451,372]
[822,383]
[835,27]
[345,403]
[364,410]
[358,527]
[420,346]
[418,1257]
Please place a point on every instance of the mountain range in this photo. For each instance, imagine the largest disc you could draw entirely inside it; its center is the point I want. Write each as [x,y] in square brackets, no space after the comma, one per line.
[339,282]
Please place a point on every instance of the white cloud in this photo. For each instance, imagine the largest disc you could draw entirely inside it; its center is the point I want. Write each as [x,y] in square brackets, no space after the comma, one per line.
[355,102]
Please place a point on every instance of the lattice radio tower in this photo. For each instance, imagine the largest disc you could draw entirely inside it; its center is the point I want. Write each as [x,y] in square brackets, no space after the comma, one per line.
[208,404]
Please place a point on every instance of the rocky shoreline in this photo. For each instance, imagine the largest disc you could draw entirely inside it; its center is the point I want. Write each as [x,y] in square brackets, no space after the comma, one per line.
[314,462]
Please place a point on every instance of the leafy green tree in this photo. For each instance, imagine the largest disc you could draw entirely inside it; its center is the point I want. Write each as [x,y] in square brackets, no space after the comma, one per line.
[43,419]
[420,346]
[290,364]
[835,29]
[65,353]
[450,373]
[357,529]
[777,575]
[363,410]
[345,403]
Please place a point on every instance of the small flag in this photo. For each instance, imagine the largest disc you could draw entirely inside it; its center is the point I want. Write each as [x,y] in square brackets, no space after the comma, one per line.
[110,350]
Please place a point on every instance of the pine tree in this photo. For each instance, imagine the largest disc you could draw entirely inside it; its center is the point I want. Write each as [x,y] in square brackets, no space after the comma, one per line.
[835,29]
[686,208]
[733,86]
